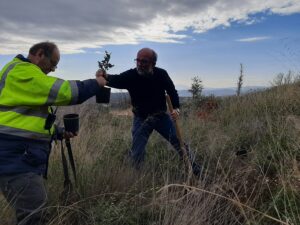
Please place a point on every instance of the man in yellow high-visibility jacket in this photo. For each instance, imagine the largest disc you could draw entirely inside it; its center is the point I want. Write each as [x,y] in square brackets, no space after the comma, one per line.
[26,97]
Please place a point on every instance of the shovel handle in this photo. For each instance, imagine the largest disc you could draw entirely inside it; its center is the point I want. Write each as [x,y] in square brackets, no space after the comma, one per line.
[179,136]
[178,131]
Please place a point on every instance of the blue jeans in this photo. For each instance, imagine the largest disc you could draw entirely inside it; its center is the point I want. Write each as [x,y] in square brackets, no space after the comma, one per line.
[142,129]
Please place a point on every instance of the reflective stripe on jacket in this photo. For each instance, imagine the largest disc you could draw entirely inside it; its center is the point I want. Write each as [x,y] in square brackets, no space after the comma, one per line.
[25,96]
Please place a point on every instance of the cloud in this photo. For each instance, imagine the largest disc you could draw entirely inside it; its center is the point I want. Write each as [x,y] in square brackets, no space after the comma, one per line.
[76,25]
[253,39]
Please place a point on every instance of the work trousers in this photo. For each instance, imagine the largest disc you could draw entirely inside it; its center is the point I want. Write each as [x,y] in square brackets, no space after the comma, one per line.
[26,194]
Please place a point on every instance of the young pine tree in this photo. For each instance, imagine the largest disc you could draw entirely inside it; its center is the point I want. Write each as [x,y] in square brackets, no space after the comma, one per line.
[196,88]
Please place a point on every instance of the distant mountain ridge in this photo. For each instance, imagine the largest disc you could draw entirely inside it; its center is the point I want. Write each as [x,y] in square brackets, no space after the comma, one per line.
[124,98]
[222,91]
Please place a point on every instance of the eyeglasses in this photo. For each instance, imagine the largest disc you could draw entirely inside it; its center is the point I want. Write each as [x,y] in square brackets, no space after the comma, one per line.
[142,61]
[53,63]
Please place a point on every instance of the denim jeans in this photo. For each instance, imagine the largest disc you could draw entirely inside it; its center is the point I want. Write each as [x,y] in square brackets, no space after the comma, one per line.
[142,129]
[26,194]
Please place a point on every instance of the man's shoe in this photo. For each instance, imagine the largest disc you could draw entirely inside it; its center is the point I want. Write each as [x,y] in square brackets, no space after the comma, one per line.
[197,169]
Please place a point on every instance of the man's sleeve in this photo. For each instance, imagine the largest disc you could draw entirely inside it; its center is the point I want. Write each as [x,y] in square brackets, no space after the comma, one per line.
[171,91]
[120,81]
[87,89]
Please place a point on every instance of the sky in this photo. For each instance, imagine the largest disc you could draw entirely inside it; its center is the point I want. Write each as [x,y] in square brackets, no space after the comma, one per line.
[204,38]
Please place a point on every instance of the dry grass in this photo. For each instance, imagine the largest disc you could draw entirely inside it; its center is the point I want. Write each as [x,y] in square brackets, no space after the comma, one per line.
[260,187]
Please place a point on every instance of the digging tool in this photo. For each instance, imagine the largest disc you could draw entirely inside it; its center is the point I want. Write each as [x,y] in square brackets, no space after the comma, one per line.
[190,165]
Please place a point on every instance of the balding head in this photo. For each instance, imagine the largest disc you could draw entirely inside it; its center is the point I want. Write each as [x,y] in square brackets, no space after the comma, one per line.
[149,53]
[145,61]
[45,55]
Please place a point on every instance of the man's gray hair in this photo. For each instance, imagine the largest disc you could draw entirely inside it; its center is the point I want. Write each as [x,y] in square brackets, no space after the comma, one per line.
[47,46]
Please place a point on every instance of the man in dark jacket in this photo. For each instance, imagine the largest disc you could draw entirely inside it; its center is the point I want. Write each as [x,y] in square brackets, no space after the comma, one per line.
[26,95]
[147,86]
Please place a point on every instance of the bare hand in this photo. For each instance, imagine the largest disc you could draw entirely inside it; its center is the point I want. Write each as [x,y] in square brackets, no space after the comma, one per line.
[68,135]
[101,81]
[175,114]
[101,73]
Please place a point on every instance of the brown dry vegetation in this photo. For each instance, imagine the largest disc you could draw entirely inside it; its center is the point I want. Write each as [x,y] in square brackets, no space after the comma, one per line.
[260,187]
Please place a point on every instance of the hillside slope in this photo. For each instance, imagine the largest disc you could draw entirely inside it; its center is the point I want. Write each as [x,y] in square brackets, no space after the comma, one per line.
[248,146]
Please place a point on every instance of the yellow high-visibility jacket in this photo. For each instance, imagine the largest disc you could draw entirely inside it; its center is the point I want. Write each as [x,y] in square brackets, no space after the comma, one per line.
[26,93]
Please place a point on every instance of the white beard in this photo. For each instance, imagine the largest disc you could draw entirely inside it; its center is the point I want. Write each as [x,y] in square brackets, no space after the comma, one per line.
[144,73]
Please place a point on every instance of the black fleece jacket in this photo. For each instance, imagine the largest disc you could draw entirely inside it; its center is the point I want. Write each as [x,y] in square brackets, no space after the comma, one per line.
[147,92]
